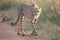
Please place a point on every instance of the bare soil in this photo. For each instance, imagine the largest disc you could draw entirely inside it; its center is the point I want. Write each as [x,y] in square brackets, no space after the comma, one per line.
[7,32]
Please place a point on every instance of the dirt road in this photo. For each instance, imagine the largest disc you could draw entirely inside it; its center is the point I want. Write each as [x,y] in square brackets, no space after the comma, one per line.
[7,33]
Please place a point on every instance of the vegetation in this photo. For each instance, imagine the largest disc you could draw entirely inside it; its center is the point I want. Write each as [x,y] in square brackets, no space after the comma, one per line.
[7,5]
[48,22]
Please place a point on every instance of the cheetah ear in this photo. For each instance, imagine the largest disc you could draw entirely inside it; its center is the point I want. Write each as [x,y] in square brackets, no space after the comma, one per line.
[33,5]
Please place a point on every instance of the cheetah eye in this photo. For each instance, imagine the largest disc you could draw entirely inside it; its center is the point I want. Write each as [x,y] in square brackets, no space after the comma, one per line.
[37,11]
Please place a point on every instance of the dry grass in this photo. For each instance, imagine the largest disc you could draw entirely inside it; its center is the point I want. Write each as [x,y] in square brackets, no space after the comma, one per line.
[48,26]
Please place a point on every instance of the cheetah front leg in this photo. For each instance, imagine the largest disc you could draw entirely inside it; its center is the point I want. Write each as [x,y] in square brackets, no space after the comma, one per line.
[34,33]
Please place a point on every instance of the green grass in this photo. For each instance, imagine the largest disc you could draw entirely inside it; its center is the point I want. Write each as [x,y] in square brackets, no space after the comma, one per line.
[48,22]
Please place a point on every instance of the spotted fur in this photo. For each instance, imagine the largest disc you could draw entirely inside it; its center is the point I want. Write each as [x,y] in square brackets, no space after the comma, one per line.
[29,12]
